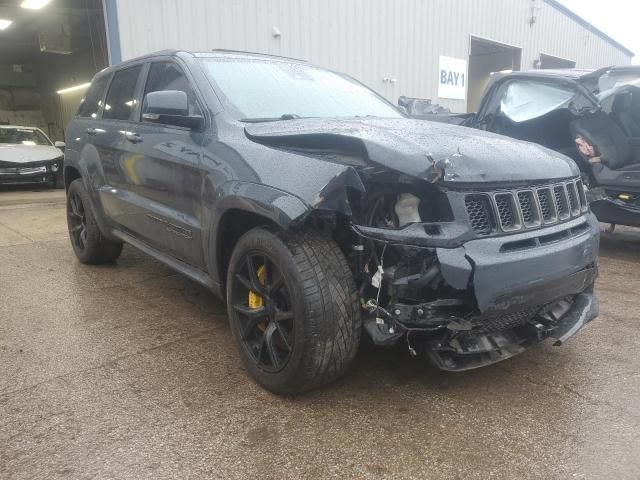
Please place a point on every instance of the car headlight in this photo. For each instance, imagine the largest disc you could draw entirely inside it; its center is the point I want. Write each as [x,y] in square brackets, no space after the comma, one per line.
[55,166]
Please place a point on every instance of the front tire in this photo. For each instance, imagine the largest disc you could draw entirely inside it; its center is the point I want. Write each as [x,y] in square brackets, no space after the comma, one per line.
[88,243]
[293,309]
[58,182]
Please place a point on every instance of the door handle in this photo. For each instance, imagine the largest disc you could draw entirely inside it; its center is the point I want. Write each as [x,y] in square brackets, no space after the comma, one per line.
[133,137]
[91,131]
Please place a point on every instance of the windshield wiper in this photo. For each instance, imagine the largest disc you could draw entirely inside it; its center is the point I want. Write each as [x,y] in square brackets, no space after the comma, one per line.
[284,116]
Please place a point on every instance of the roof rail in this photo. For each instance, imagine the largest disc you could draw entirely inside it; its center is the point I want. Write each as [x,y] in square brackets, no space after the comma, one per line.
[226,50]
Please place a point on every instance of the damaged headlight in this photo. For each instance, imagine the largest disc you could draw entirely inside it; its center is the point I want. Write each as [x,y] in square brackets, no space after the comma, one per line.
[406,209]
[56,164]
[398,281]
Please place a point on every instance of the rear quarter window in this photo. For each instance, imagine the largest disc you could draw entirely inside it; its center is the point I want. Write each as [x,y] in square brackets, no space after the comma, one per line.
[92,101]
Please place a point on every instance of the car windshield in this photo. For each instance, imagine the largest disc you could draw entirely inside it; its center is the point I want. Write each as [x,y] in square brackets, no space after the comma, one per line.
[23,136]
[258,90]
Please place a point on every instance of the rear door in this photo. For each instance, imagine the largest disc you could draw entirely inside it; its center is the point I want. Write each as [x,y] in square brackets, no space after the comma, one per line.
[83,128]
[113,140]
[162,170]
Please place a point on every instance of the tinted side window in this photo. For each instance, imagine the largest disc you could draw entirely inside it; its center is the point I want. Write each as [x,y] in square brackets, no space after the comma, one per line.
[120,100]
[168,76]
[91,102]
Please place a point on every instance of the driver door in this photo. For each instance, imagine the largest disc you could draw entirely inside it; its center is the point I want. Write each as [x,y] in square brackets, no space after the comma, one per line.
[163,170]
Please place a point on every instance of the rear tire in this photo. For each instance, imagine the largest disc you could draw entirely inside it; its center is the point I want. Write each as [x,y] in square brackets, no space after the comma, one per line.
[305,330]
[88,243]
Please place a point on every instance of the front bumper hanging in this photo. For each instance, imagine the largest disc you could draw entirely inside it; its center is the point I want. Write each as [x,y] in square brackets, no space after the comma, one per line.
[468,350]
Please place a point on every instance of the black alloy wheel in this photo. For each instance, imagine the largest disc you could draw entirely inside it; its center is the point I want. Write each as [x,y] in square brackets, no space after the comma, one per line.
[265,316]
[88,242]
[293,308]
[77,221]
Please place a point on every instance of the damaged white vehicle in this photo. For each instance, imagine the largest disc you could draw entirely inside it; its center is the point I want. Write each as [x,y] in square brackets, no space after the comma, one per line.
[28,156]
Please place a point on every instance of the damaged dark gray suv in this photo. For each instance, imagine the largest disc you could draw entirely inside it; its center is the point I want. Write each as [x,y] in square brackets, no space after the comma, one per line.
[321,214]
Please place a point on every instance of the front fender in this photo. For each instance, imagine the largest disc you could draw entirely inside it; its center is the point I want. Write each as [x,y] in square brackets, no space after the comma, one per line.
[276,206]
[279,207]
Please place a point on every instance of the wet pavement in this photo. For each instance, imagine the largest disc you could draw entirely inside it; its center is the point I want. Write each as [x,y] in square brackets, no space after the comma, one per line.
[129,371]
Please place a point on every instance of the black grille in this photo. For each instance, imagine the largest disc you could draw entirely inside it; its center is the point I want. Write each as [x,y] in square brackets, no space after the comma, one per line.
[498,211]
[581,194]
[505,210]
[479,210]
[504,322]
[544,197]
[573,199]
[561,201]
[527,207]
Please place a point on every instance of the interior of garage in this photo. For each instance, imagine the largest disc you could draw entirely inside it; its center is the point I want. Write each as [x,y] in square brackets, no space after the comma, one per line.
[485,58]
[48,52]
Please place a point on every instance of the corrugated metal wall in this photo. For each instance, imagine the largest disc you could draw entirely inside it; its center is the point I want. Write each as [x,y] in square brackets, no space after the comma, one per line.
[369,39]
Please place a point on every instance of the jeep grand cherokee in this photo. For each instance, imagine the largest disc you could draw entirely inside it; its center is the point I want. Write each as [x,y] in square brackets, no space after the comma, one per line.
[321,214]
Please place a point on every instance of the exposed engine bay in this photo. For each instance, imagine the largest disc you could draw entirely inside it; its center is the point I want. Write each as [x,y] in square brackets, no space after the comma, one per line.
[405,297]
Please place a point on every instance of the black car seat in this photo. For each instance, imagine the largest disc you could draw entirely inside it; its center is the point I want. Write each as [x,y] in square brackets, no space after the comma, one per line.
[622,111]
[619,155]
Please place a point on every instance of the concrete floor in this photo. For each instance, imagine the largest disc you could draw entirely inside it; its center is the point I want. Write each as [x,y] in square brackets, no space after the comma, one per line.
[129,371]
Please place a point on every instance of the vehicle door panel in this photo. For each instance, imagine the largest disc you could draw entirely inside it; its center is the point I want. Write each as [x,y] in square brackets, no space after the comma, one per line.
[164,174]
[162,171]
[120,104]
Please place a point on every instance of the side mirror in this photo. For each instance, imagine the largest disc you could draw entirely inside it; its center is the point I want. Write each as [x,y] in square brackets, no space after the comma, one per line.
[169,107]
[59,144]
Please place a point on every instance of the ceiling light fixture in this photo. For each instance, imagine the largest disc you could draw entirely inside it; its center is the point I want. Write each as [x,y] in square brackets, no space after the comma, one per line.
[34,4]
[4,23]
[71,89]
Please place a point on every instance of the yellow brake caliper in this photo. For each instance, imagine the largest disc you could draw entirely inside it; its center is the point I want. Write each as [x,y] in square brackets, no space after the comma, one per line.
[255,300]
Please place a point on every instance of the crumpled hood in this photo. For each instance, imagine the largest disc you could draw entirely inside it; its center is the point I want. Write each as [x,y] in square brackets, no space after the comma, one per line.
[420,148]
[14,153]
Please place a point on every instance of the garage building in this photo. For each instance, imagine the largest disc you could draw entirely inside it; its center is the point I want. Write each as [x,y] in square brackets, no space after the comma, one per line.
[444,50]
[393,46]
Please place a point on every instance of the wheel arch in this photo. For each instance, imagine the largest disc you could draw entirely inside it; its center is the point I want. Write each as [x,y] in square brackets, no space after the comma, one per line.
[74,171]
[242,207]
[233,225]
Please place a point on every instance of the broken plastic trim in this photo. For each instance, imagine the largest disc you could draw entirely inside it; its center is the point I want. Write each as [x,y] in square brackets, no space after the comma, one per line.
[584,309]
[426,235]
[475,351]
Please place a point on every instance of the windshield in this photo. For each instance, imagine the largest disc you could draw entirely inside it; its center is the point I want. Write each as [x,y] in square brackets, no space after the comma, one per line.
[259,90]
[23,136]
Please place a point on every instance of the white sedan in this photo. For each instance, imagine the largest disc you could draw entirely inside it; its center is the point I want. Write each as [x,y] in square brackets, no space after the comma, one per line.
[28,156]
